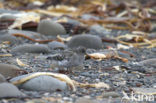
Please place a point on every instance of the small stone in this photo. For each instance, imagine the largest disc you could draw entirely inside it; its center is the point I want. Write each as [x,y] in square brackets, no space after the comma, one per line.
[87,41]
[110,94]
[149,62]
[9,38]
[30,34]
[56,45]
[8,17]
[31,48]
[8,70]
[85,100]
[2,11]
[99,30]
[48,27]
[145,91]
[2,78]
[8,90]
[89,17]
[122,54]
[41,83]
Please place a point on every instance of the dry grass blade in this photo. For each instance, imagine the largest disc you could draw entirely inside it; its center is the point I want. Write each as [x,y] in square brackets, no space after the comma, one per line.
[20,63]
[94,85]
[61,77]
[98,56]
[5,55]
[25,18]
[145,42]
[61,39]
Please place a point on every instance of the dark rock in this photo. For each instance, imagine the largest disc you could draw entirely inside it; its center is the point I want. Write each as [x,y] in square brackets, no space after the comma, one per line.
[8,70]
[8,90]
[2,78]
[57,45]
[41,83]
[87,41]
[48,27]
[31,48]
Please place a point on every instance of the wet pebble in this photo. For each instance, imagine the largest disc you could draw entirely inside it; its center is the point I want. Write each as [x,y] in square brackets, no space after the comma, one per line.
[48,27]
[8,70]
[56,45]
[41,83]
[2,78]
[30,48]
[8,90]
[86,40]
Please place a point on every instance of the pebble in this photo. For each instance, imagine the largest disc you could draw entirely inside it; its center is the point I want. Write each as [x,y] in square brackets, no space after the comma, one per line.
[99,30]
[8,90]
[31,48]
[89,17]
[72,21]
[125,55]
[2,78]
[30,34]
[144,91]
[41,83]
[56,45]
[8,11]
[87,41]
[85,100]
[110,94]
[8,70]
[48,27]
[10,38]
[8,17]
[149,62]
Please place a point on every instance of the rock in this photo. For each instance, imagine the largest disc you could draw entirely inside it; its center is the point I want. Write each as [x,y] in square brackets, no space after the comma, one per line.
[110,94]
[145,91]
[31,48]
[124,55]
[2,78]
[99,30]
[85,100]
[56,45]
[89,17]
[8,70]
[8,11]
[8,90]
[72,21]
[30,34]
[48,27]
[149,62]
[41,83]
[87,41]
[8,17]
[10,38]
